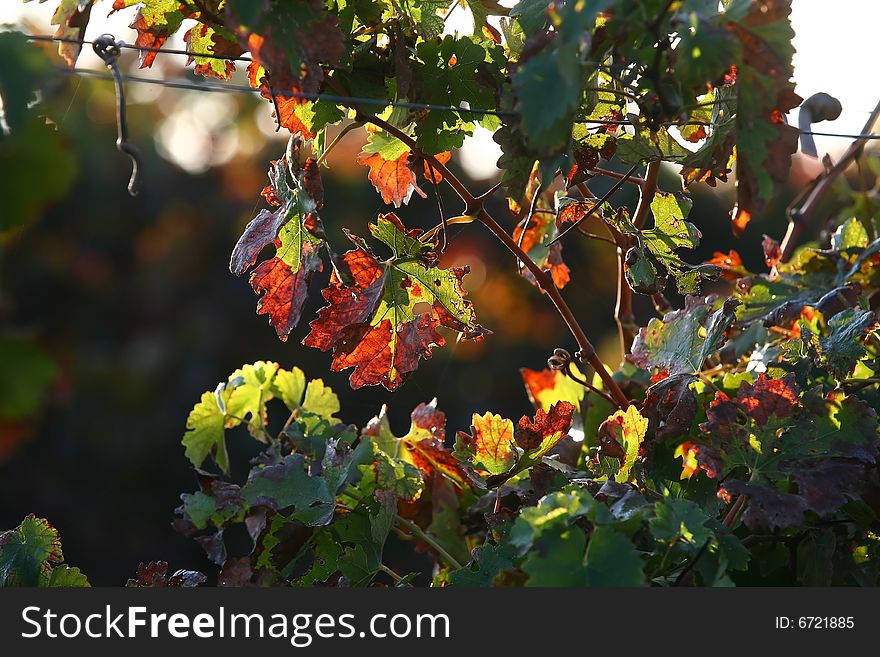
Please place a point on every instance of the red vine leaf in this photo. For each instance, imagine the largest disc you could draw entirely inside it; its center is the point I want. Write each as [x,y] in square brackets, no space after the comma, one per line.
[382,317]
[546,429]
[769,397]
[295,230]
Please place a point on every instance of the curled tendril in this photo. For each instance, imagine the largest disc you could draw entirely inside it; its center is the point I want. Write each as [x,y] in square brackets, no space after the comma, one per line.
[561,360]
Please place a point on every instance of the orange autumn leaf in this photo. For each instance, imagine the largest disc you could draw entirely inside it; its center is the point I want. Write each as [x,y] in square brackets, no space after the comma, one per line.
[393,179]
[731,264]
[431,173]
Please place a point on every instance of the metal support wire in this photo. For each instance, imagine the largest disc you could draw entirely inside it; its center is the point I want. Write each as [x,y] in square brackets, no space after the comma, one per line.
[185,84]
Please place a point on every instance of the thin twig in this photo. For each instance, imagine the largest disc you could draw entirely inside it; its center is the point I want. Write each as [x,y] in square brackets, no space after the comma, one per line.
[336,140]
[608,173]
[525,224]
[474,207]
[583,231]
[385,569]
[430,540]
[440,209]
[595,207]
[571,375]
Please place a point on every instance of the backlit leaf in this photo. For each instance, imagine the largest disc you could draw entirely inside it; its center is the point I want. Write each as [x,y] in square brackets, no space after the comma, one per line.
[382,317]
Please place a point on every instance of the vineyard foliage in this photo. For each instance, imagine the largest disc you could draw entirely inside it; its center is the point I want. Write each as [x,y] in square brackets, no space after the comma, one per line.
[737,441]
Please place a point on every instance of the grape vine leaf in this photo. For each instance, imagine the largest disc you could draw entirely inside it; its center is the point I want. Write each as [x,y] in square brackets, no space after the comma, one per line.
[27,551]
[497,447]
[290,41]
[796,452]
[844,347]
[392,172]
[155,22]
[649,146]
[305,118]
[31,555]
[714,159]
[382,317]
[422,446]
[765,94]
[71,18]
[296,231]
[287,484]
[682,519]
[681,341]
[201,39]
[490,447]
[488,562]
[672,232]
[612,560]
[626,429]
[243,398]
[546,387]
[549,82]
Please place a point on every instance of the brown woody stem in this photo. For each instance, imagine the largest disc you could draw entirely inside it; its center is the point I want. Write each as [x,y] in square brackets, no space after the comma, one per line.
[608,173]
[474,207]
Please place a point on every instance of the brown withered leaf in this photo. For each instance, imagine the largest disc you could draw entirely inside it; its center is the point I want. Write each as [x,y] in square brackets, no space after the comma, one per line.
[71,18]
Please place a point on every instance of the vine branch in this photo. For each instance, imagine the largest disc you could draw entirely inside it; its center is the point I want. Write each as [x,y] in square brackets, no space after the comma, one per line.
[474,207]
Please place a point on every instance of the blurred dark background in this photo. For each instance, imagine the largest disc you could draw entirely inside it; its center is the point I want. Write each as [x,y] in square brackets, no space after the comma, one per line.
[121,311]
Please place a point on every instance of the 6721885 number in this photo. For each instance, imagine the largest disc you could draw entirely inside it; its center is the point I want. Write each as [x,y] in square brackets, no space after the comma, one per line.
[815,622]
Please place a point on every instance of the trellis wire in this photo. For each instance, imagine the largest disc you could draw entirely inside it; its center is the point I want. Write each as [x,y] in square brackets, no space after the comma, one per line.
[376,102]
